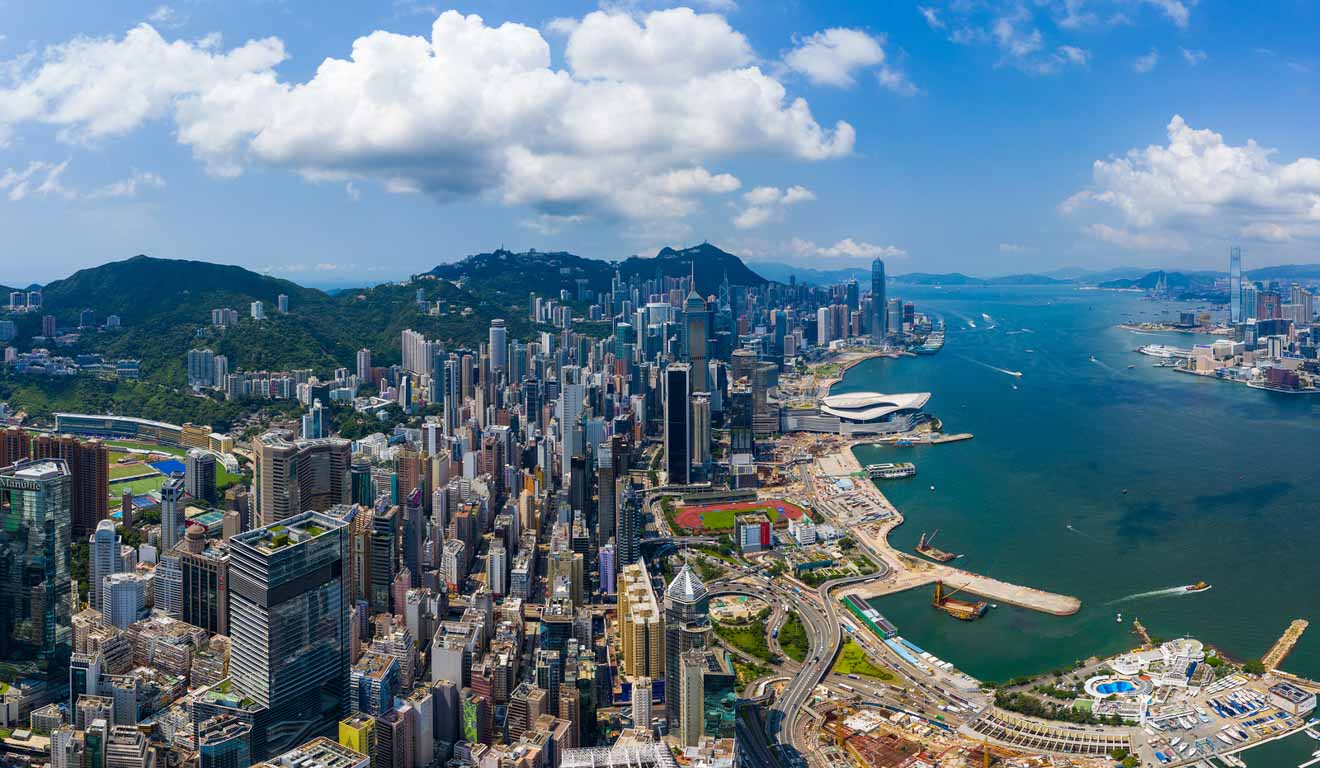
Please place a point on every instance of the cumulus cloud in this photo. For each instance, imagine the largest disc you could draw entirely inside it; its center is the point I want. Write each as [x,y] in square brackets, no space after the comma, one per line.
[766,204]
[1193,57]
[833,57]
[846,248]
[1197,188]
[1143,64]
[1014,28]
[628,129]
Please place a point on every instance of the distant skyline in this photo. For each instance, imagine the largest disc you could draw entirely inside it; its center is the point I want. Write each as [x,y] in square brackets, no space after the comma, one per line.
[348,145]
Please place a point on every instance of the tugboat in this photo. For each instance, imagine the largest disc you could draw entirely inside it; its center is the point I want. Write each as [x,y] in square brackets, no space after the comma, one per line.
[1199,586]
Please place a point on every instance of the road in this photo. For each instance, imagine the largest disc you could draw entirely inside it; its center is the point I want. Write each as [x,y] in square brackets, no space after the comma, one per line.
[819,614]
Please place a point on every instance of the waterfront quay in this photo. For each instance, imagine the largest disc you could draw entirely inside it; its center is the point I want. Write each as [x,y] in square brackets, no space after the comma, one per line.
[859,506]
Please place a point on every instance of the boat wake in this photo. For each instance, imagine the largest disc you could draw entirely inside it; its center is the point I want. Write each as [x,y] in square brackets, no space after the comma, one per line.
[1083,534]
[1005,371]
[1181,590]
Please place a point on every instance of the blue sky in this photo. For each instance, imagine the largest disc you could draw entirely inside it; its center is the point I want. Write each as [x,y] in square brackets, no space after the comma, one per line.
[347,142]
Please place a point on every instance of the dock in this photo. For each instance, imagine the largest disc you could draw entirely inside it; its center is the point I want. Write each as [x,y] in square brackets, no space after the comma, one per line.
[1284,645]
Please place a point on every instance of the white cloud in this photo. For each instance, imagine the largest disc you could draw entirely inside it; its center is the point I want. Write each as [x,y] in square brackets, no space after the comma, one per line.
[631,128]
[1266,231]
[832,56]
[1012,248]
[128,187]
[1143,64]
[1014,27]
[1198,188]
[1135,240]
[353,191]
[1193,57]
[846,248]
[165,17]
[41,180]
[766,204]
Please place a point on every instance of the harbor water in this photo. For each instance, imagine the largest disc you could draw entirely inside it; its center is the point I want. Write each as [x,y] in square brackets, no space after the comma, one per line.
[1118,485]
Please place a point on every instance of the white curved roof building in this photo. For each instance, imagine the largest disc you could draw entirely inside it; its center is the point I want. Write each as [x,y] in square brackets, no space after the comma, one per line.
[871,406]
[860,413]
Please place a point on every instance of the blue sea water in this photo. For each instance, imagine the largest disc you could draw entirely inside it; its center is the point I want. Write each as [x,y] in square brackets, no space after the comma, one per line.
[1118,485]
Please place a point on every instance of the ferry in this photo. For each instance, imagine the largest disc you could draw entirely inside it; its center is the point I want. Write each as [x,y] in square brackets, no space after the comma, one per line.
[891,471]
[1199,586]
[934,343]
[985,317]
[1165,352]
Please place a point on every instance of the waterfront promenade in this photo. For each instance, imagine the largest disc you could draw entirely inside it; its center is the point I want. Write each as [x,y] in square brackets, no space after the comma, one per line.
[909,571]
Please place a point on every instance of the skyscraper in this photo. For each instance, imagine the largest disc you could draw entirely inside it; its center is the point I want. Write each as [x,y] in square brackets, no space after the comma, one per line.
[88,463]
[499,345]
[686,626]
[36,606]
[678,424]
[696,332]
[1235,284]
[879,328]
[289,628]
[295,476]
[103,559]
[691,692]
[364,366]
[199,475]
[171,513]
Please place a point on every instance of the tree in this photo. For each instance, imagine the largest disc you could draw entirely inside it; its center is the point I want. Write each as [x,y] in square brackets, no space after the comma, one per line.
[1254,667]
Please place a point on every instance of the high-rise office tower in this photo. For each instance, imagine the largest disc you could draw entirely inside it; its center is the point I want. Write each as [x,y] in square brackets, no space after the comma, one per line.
[296,476]
[289,629]
[691,692]
[1235,284]
[102,559]
[701,434]
[824,326]
[879,330]
[199,475]
[313,422]
[205,585]
[499,345]
[894,317]
[36,603]
[678,424]
[171,513]
[696,332]
[627,523]
[687,626]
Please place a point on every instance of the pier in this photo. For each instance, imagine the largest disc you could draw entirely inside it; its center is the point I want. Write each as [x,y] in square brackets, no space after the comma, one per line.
[908,572]
[1284,645]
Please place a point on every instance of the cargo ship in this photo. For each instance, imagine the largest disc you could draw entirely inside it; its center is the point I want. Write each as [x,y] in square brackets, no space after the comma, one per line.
[925,547]
[963,610]
[891,471]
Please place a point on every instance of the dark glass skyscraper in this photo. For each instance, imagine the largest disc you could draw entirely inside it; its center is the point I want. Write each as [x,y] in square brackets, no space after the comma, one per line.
[678,424]
[36,620]
[289,627]
[879,327]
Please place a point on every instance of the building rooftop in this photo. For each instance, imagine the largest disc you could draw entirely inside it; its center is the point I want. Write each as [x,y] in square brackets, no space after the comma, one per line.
[686,587]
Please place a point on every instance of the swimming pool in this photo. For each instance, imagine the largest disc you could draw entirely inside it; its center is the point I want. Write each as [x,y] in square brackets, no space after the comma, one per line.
[1115,686]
